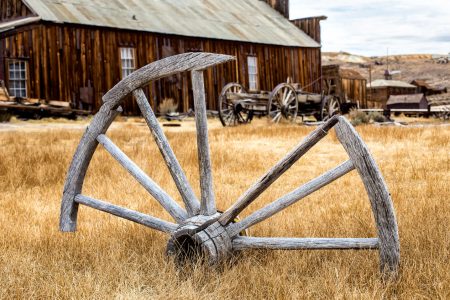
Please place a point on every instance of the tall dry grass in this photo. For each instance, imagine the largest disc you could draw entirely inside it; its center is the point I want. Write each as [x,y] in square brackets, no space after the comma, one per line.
[112,258]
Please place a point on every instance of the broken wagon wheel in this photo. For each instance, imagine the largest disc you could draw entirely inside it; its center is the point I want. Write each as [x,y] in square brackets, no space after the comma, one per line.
[329,107]
[199,229]
[283,103]
[231,112]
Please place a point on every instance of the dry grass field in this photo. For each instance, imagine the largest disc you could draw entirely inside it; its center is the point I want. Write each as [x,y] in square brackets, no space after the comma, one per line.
[112,258]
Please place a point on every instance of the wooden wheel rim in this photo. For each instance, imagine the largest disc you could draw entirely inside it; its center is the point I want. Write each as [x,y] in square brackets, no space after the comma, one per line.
[283,103]
[227,112]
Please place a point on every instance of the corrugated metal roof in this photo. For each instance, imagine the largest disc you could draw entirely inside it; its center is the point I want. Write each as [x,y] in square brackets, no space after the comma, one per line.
[237,20]
[389,83]
[413,98]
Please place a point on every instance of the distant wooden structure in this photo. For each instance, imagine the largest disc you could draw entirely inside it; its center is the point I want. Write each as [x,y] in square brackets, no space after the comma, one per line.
[407,102]
[348,85]
[76,50]
[380,90]
[425,88]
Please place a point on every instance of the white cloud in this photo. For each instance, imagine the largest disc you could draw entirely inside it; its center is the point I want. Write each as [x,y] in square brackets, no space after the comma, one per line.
[369,27]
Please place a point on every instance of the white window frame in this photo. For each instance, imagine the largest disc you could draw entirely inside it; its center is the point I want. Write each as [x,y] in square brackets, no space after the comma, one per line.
[253,77]
[127,61]
[18,78]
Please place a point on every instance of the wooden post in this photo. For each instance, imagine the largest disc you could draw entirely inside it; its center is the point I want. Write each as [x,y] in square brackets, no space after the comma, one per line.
[207,204]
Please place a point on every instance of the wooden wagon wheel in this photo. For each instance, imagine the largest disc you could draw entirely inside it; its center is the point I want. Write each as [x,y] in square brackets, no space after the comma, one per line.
[199,228]
[329,107]
[283,103]
[230,112]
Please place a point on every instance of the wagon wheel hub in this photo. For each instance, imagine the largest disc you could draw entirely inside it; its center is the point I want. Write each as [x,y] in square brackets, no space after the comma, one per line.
[200,237]
[198,229]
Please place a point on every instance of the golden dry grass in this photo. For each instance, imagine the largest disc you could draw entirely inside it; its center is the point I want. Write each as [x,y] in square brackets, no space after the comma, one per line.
[113,258]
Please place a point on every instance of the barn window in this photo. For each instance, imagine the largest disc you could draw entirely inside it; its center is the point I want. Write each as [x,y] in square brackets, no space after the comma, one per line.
[128,61]
[252,63]
[17,75]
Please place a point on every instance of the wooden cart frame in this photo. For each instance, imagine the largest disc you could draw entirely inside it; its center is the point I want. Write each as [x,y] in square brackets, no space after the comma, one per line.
[285,102]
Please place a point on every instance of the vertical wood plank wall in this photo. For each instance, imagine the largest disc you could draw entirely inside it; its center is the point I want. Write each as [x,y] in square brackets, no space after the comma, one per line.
[13,9]
[64,58]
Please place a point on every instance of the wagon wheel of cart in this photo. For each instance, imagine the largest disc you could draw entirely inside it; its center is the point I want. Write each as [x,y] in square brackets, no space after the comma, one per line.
[231,112]
[283,103]
[197,229]
[329,107]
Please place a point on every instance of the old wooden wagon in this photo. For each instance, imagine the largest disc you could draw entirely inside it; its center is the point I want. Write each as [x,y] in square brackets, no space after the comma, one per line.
[286,101]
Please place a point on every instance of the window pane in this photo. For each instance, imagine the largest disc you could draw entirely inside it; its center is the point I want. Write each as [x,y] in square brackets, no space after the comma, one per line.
[18,78]
[127,60]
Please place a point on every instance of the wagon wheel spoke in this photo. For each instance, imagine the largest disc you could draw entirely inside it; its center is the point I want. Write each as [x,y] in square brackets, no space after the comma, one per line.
[276,171]
[245,242]
[207,202]
[172,207]
[187,194]
[291,198]
[128,214]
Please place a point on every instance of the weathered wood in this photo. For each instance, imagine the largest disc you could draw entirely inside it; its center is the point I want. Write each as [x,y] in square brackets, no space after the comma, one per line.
[276,171]
[207,204]
[97,60]
[78,167]
[380,199]
[255,96]
[181,181]
[172,207]
[162,68]
[128,214]
[291,198]
[241,243]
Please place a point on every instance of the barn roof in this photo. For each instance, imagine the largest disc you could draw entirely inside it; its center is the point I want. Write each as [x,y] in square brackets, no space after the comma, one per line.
[236,20]
[413,98]
[379,83]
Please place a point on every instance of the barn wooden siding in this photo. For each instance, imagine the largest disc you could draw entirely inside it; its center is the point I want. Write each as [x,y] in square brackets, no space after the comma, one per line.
[13,9]
[355,89]
[379,96]
[64,58]
[311,26]
[282,6]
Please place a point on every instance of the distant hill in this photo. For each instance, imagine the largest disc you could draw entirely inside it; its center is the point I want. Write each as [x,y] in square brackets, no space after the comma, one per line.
[412,66]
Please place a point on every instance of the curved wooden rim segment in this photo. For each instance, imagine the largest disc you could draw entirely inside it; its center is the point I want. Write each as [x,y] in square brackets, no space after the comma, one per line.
[107,113]
[172,65]
[380,199]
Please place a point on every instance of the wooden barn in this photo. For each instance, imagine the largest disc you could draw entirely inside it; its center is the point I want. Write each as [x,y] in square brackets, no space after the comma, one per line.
[381,89]
[405,102]
[425,88]
[76,50]
[347,84]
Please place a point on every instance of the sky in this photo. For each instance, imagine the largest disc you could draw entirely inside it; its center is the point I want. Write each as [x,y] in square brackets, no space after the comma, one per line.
[373,28]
